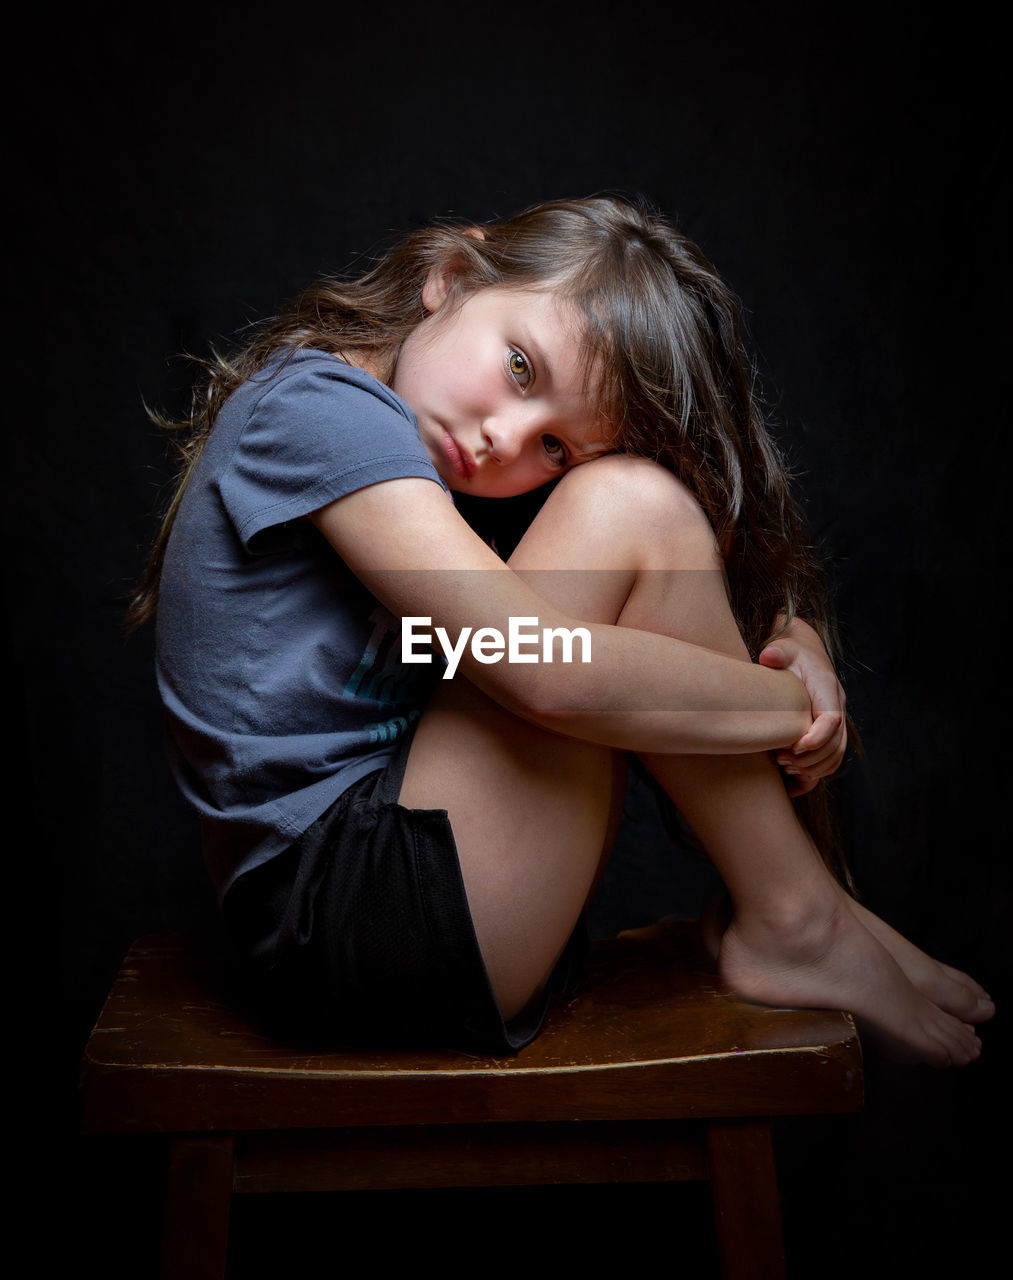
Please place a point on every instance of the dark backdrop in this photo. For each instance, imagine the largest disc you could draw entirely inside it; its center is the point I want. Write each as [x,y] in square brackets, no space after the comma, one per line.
[841,165]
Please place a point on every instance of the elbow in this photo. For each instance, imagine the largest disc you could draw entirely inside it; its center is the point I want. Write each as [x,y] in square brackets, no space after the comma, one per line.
[536,693]
[545,678]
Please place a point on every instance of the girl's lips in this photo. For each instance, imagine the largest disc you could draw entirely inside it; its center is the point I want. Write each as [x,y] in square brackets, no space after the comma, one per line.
[460,459]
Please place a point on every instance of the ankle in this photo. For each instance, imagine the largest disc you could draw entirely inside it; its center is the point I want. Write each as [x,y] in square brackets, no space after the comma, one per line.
[805,921]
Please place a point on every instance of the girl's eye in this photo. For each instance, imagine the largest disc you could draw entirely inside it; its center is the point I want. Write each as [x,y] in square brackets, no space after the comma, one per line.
[555,450]
[519,368]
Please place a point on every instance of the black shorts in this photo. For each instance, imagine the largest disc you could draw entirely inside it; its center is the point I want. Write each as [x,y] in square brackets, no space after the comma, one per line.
[374,938]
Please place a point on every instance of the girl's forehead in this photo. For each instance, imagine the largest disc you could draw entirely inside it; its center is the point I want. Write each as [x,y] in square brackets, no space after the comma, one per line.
[543,303]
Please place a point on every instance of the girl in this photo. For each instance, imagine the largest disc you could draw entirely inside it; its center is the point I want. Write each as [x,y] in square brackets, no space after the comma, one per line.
[407,862]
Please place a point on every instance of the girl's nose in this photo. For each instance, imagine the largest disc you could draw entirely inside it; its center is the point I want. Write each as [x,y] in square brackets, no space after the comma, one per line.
[505,439]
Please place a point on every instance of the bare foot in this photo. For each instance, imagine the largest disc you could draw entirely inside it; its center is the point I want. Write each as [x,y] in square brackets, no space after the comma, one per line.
[834,962]
[953,991]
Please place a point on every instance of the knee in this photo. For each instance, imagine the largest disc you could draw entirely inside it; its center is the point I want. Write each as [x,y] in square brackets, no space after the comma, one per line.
[640,505]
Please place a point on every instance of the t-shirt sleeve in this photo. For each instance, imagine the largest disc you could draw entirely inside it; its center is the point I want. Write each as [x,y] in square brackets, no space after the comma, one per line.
[318,431]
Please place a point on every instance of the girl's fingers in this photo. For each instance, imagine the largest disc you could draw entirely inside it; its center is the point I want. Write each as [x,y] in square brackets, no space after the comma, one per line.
[828,759]
[807,752]
[812,769]
[816,762]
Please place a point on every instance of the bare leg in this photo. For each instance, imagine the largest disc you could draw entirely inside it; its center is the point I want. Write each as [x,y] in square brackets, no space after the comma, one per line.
[530,810]
[531,814]
[795,936]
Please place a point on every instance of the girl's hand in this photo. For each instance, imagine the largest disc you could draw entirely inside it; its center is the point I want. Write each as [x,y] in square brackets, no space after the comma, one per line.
[820,751]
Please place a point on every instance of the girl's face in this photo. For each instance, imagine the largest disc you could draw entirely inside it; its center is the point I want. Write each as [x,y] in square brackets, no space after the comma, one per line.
[496,385]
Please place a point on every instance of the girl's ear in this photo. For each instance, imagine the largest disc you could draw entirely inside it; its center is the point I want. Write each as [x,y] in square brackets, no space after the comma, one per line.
[440,279]
[436,288]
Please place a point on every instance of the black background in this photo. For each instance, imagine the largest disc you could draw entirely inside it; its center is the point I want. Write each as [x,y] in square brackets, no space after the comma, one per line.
[183,171]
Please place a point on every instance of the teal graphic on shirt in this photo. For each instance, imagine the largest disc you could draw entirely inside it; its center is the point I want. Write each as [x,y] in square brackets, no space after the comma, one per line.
[382,677]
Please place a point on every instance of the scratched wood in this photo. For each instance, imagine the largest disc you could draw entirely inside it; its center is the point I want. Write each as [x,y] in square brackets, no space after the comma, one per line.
[655,1036]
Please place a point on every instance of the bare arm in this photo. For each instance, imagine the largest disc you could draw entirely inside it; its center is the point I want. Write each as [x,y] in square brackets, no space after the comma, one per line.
[644,692]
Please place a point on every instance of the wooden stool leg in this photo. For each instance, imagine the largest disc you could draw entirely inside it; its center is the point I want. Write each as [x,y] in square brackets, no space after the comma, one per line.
[747,1208]
[197,1202]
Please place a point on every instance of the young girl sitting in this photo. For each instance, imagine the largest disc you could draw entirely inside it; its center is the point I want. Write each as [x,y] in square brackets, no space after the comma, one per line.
[405,857]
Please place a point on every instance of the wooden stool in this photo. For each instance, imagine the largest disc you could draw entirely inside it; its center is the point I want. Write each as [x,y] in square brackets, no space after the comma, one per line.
[655,1074]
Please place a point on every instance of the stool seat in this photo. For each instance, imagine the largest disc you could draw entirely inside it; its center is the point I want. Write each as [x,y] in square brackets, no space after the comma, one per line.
[656,1072]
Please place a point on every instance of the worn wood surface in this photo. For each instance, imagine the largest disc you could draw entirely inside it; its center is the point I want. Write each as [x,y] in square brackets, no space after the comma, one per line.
[655,1036]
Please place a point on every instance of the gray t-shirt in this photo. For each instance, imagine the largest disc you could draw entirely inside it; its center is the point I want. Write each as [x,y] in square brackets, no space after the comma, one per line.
[280,674]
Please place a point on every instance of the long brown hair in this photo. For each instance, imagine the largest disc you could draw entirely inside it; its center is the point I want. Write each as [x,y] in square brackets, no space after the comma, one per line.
[663,336]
